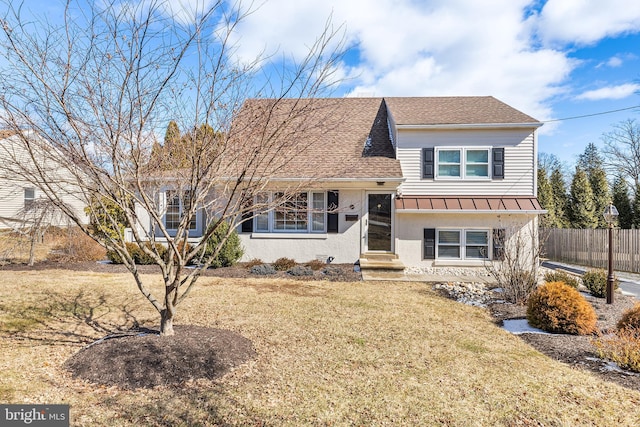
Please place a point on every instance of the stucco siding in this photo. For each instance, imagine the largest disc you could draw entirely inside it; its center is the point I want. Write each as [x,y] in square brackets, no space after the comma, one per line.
[344,246]
[519,177]
[410,226]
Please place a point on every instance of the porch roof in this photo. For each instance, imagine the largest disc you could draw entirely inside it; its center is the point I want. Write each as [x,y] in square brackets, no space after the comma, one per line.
[469,204]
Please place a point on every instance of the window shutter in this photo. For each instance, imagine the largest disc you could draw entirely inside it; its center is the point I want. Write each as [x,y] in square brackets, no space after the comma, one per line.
[498,163]
[332,211]
[498,244]
[247,217]
[427,163]
[429,243]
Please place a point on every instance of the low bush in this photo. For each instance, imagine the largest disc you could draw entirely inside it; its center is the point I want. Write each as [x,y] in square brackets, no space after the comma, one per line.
[331,270]
[300,270]
[231,250]
[263,269]
[138,254]
[254,262]
[284,264]
[596,281]
[72,244]
[630,320]
[561,276]
[315,264]
[623,348]
[556,307]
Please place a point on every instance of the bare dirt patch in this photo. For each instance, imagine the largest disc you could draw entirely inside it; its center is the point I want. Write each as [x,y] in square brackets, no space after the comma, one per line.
[144,359]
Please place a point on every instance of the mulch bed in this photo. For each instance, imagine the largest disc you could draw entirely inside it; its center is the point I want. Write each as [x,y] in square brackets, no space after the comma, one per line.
[574,350]
[144,359]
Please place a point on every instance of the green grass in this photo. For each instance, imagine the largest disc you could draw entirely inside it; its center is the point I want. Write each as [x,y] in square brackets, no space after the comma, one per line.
[327,354]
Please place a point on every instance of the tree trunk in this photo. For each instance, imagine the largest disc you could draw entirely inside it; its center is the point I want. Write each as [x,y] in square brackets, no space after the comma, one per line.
[166,323]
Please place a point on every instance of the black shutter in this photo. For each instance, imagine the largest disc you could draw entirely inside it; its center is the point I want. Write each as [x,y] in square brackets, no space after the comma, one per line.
[427,162]
[498,244]
[498,163]
[247,217]
[332,211]
[429,243]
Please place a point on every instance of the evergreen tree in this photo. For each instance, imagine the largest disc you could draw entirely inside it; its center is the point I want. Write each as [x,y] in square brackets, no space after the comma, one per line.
[560,198]
[622,201]
[636,208]
[545,197]
[590,160]
[601,195]
[172,135]
[582,209]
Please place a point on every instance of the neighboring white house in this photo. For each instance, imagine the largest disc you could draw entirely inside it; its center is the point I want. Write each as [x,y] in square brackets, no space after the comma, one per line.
[21,198]
[424,182]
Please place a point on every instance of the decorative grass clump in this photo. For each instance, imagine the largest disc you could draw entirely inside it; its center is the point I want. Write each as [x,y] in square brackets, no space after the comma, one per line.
[630,320]
[263,270]
[561,276]
[138,254]
[558,308]
[596,281]
[623,348]
[284,264]
[315,264]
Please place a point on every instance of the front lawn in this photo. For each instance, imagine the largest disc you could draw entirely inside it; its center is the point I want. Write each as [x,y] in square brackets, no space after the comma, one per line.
[327,354]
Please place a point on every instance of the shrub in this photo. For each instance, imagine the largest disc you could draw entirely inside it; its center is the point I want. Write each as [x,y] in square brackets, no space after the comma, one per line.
[331,271]
[300,270]
[263,269]
[622,348]
[630,320]
[230,252]
[284,264]
[596,282]
[74,245]
[179,248]
[138,254]
[561,276]
[254,262]
[556,307]
[315,264]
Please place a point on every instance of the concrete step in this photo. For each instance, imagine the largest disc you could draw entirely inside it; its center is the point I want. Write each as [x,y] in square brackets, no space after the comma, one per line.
[381,262]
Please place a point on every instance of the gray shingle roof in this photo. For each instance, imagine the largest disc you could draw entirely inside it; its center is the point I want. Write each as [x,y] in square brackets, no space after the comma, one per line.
[454,110]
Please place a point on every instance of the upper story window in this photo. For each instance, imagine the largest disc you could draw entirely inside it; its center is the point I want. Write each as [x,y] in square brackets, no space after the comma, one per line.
[467,163]
[176,207]
[29,197]
[464,163]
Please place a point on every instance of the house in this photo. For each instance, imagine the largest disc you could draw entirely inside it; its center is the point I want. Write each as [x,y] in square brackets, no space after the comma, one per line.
[427,182]
[22,199]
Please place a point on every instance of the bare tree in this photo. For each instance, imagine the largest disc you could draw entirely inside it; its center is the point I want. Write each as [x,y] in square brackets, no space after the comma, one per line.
[95,91]
[622,150]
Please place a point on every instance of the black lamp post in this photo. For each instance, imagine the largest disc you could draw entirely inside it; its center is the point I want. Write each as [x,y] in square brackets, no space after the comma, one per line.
[610,215]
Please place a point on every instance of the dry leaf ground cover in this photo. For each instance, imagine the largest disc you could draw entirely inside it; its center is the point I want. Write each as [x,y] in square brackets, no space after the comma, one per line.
[327,353]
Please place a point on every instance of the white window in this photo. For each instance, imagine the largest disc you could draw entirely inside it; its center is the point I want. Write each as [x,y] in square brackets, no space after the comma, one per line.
[303,212]
[462,163]
[176,207]
[462,244]
[29,197]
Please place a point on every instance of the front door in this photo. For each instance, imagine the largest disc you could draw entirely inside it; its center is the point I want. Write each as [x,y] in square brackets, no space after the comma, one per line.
[379,229]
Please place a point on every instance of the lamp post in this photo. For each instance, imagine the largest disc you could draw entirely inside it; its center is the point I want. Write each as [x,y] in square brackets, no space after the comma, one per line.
[610,215]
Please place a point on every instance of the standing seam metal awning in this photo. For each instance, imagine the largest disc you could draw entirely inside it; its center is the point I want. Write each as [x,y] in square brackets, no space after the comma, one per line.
[479,204]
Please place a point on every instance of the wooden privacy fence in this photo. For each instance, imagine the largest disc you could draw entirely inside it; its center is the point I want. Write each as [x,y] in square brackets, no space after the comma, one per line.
[590,247]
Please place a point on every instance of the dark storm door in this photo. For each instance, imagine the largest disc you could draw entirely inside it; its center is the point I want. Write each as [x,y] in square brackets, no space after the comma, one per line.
[379,229]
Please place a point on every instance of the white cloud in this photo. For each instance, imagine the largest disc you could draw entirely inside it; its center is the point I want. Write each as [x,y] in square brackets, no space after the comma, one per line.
[610,92]
[586,22]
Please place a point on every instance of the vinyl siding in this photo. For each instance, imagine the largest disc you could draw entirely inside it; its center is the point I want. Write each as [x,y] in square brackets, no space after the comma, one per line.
[519,161]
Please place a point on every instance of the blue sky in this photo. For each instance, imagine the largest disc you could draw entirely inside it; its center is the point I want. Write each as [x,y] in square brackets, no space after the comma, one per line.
[551,59]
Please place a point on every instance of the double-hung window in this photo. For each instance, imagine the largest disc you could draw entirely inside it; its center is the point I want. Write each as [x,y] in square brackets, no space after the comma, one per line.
[462,163]
[462,244]
[29,197]
[303,212]
[178,203]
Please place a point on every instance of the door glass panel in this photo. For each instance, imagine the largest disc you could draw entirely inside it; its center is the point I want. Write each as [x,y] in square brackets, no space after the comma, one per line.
[379,230]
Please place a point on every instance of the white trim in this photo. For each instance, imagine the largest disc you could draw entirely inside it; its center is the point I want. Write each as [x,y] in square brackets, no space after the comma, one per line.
[474,126]
[462,244]
[312,236]
[462,164]
[365,229]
